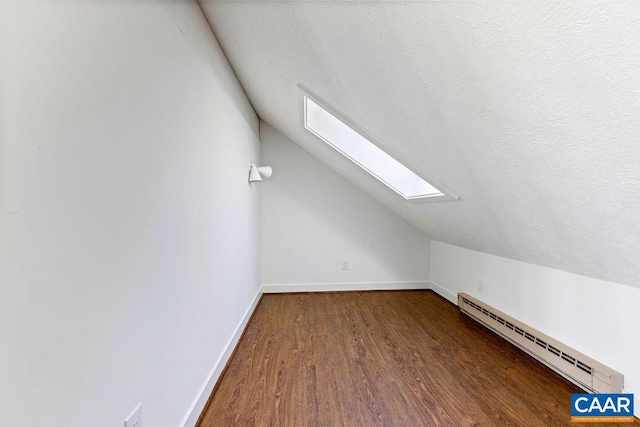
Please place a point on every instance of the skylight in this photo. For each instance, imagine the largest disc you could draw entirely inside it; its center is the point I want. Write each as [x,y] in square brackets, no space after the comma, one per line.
[365,153]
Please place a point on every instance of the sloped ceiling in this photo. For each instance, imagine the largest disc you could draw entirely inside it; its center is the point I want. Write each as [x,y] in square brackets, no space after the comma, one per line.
[529,111]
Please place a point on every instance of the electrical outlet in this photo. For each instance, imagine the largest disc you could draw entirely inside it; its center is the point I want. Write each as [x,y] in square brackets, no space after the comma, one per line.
[481,286]
[345,264]
[135,419]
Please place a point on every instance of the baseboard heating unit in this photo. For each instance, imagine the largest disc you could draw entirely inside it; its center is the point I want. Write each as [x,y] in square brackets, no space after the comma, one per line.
[583,371]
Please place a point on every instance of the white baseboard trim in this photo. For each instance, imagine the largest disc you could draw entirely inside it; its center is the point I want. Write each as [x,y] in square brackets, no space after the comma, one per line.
[201,399]
[336,287]
[445,293]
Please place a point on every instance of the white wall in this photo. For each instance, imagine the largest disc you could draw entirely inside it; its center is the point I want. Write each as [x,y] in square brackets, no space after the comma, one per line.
[597,318]
[313,218]
[129,236]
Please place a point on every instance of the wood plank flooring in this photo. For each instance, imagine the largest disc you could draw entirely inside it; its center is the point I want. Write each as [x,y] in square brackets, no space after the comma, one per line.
[391,358]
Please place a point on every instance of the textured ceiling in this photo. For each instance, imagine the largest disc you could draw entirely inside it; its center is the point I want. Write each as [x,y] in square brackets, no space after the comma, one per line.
[529,111]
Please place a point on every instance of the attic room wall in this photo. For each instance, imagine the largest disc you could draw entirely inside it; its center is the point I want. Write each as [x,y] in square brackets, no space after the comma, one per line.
[313,218]
[129,235]
[597,318]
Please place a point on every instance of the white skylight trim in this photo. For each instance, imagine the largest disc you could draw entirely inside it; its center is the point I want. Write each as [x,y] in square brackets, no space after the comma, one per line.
[365,153]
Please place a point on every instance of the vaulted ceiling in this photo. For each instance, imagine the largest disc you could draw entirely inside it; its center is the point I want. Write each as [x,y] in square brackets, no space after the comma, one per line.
[528,111]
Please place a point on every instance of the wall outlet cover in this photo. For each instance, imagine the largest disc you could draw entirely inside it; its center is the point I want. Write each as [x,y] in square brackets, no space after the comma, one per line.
[135,418]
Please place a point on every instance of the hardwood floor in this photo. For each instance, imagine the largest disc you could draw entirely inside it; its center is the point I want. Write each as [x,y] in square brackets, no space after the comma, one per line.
[392,358]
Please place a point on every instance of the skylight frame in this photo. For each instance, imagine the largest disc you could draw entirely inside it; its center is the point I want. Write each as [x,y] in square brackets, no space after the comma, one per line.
[445,195]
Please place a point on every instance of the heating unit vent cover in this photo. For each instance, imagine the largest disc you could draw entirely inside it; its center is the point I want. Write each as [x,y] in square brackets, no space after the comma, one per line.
[573,365]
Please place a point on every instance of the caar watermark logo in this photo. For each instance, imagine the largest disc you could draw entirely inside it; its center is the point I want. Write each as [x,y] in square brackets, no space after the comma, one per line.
[602,408]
